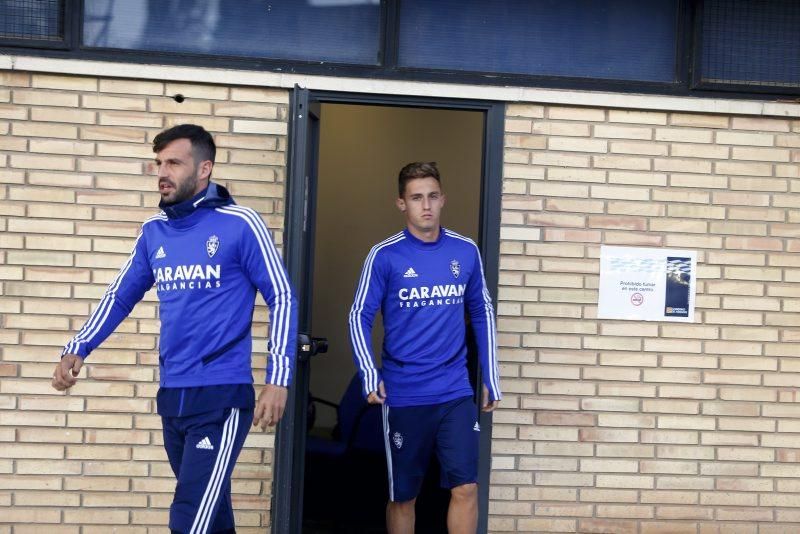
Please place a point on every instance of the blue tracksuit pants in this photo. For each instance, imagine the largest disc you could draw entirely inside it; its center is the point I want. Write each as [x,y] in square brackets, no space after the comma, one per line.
[202,451]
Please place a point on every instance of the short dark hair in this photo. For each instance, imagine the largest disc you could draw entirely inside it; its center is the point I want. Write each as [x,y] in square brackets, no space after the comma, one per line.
[417,169]
[203,147]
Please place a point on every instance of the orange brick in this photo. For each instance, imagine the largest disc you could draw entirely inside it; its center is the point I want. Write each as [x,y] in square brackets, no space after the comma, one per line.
[15,79]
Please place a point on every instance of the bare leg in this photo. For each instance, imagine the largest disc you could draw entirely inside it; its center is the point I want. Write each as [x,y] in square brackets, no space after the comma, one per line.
[400,517]
[462,515]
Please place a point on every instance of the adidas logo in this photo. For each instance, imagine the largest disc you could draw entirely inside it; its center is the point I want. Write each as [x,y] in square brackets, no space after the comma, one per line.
[477,427]
[161,254]
[410,273]
[205,443]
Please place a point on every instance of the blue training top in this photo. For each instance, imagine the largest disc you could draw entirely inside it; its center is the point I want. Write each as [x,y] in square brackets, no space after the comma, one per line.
[206,257]
[423,290]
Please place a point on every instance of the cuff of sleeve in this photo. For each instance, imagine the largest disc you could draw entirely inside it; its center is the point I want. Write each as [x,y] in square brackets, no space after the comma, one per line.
[80,350]
[286,382]
[377,384]
[282,376]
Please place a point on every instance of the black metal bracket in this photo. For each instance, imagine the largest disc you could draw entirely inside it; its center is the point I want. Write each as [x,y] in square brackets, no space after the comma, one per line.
[308,346]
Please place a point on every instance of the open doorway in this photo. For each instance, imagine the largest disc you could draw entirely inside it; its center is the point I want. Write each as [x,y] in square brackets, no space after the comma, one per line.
[361,150]
[345,151]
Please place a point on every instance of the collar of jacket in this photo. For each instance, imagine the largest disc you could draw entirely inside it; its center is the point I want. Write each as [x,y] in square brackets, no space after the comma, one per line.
[425,245]
[212,196]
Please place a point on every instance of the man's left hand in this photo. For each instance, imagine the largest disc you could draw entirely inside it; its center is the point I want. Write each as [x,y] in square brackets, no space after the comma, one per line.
[486,404]
[270,406]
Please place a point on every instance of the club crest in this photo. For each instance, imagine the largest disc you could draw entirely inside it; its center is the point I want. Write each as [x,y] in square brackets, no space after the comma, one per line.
[455,268]
[212,245]
[397,438]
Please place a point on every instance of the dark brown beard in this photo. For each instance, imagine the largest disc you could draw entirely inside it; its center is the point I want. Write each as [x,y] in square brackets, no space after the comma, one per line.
[184,192]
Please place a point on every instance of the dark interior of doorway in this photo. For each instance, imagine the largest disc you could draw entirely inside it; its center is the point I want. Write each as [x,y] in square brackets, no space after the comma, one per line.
[361,149]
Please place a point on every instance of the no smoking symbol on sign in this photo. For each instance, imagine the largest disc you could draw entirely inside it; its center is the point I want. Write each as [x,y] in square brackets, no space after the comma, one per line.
[637,299]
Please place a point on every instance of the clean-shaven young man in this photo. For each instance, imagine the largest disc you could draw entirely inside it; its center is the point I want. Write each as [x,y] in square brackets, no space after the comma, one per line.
[425,280]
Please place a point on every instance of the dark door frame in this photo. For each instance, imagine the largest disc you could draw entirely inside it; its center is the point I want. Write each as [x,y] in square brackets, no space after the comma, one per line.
[288,469]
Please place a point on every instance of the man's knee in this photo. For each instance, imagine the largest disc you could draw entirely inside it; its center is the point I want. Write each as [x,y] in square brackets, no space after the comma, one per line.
[403,506]
[465,492]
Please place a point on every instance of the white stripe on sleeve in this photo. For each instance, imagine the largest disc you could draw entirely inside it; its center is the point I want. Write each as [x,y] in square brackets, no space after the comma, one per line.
[361,344]
[279,331]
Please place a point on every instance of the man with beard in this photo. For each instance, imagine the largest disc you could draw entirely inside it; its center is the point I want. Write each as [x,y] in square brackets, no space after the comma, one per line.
[207,258]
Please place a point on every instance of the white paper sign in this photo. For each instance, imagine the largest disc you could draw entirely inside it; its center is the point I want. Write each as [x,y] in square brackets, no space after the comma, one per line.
[647,284]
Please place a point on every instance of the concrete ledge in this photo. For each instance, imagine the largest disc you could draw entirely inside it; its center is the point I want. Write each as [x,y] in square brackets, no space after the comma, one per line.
[171,73]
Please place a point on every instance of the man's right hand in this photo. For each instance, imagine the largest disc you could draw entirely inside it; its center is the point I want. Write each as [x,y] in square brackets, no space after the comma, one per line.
[377,397]
[66,374]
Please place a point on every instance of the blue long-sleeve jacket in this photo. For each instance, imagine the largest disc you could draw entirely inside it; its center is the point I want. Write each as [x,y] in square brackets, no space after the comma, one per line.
[206,257]
[423,290]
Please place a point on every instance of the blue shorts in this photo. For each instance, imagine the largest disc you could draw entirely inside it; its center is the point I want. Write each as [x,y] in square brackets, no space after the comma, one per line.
[202,450]
[413,433]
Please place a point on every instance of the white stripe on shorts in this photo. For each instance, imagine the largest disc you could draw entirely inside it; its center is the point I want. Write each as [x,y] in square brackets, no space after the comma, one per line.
[201,520]
[388,447]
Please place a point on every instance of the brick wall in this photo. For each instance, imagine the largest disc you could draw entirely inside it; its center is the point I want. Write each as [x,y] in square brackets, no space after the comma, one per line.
[607,426]
[646,427]
[75,185]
